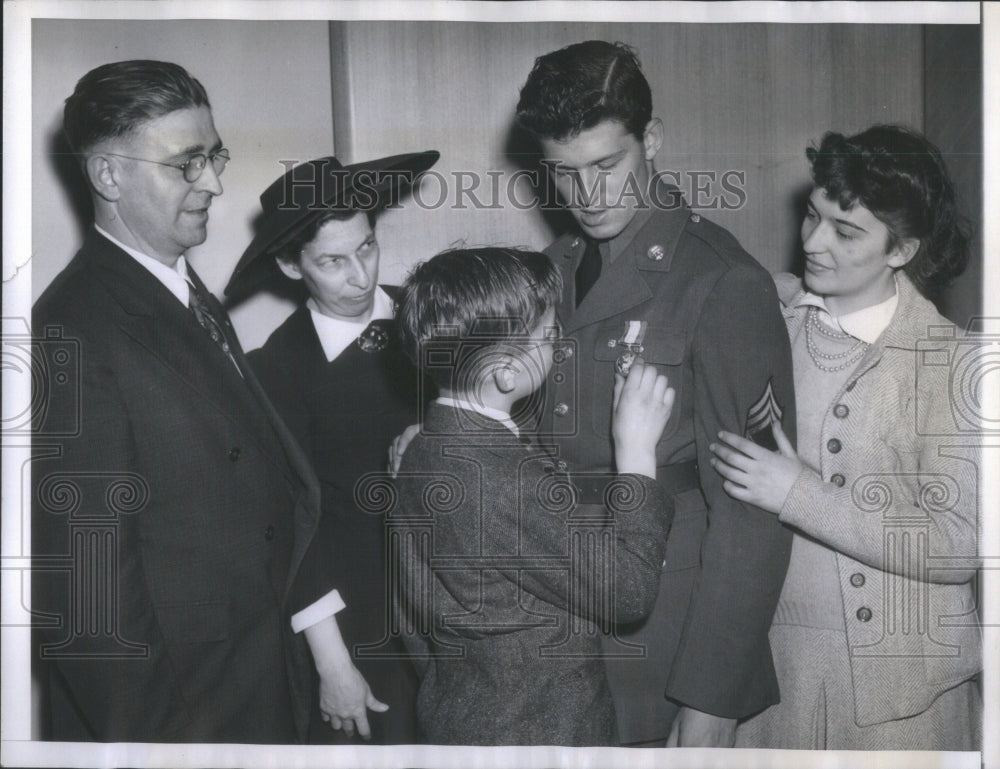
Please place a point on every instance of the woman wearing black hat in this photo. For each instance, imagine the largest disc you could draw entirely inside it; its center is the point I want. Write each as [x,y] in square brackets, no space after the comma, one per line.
[339,380]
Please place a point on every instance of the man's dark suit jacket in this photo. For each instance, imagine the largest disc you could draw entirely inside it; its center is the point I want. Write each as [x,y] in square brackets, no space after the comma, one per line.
[174,622]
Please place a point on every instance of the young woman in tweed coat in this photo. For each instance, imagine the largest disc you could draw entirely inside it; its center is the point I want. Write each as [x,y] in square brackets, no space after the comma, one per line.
[875,638]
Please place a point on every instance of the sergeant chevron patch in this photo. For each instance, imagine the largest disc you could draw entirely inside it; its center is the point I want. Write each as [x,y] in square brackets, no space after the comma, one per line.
[764,412]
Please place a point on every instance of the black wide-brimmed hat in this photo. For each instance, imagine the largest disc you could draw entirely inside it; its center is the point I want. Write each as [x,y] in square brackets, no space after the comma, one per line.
[310,190]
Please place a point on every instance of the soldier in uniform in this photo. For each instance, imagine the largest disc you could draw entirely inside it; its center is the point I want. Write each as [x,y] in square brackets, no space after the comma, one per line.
[643,275]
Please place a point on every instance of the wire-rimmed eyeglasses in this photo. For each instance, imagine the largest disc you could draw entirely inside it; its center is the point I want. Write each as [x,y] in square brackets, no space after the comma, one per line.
[193,167]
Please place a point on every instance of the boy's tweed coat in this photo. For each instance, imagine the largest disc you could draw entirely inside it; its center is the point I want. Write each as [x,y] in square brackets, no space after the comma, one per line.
[515,652]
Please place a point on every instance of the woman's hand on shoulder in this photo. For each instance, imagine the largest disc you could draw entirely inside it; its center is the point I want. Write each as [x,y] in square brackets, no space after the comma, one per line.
[752,473]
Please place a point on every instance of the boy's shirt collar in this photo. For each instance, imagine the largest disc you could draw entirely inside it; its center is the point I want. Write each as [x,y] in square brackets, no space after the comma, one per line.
[496,415]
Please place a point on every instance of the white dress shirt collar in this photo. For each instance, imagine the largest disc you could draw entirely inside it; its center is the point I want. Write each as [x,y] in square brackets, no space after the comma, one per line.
[866,324]
[487,411]
[175,278]
[336,334]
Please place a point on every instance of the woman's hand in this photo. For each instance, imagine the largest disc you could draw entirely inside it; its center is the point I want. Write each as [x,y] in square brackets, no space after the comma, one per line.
[344,696]
[752,473]
[344,700]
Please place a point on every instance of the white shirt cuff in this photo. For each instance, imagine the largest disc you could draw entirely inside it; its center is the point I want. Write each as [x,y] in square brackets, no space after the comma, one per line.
[325,607]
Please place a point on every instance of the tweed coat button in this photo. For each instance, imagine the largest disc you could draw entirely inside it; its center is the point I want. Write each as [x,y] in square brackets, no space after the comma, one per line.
[655,252]
[695,218]
[561,409]
[269,533]
[864,614]
[841,411]
[234,453]
[837,479]
[858,579]
[833,445]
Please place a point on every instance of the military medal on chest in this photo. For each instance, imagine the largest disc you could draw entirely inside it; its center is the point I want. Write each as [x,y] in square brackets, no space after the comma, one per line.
[631,340]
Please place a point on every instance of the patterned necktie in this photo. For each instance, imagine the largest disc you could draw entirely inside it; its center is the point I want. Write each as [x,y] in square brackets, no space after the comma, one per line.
[200,309]
[589,270]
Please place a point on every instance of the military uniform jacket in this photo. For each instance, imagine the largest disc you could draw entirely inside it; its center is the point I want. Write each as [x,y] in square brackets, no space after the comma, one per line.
[163,469]
[714,328]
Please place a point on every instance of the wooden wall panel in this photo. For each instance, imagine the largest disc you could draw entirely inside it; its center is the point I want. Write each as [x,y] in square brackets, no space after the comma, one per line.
[953,119]
[746,98]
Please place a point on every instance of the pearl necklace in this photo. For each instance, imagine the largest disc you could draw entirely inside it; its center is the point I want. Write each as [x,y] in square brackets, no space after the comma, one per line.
[852,354]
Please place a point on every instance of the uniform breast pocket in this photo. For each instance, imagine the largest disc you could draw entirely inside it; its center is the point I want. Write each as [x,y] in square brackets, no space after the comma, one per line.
[660,347]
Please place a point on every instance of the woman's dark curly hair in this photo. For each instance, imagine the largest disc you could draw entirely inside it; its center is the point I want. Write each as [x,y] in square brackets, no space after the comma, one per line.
[901,178]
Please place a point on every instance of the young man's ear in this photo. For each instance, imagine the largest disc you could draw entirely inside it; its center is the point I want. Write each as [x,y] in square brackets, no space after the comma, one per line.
[652,138]
[102,176]
[903,252]
[291,269]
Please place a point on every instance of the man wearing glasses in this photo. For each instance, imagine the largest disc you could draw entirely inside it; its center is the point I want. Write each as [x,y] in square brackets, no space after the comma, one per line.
[172,523]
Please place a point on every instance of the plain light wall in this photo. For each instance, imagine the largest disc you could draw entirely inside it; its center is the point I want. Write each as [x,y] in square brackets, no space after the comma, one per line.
[741,97]
[732,97]
[269,85]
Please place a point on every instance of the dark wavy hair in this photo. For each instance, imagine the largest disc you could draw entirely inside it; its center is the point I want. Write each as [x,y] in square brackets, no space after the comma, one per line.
[900,177]
[584,84]
[467,300]
[115,99]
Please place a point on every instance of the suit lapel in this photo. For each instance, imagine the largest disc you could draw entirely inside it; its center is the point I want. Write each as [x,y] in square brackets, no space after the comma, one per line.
[156,320]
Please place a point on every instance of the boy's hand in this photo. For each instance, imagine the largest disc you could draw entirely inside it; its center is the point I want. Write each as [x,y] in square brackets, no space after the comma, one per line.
[640,409]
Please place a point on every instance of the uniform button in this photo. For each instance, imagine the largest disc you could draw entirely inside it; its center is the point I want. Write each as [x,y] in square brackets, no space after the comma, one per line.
[840,411]
[837,479]
[864,614]
[655,252]
[234,453]
[695,218]
[561,410]
[269,533]
[858,580]
[612,343]
[561,466]
[833,445]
